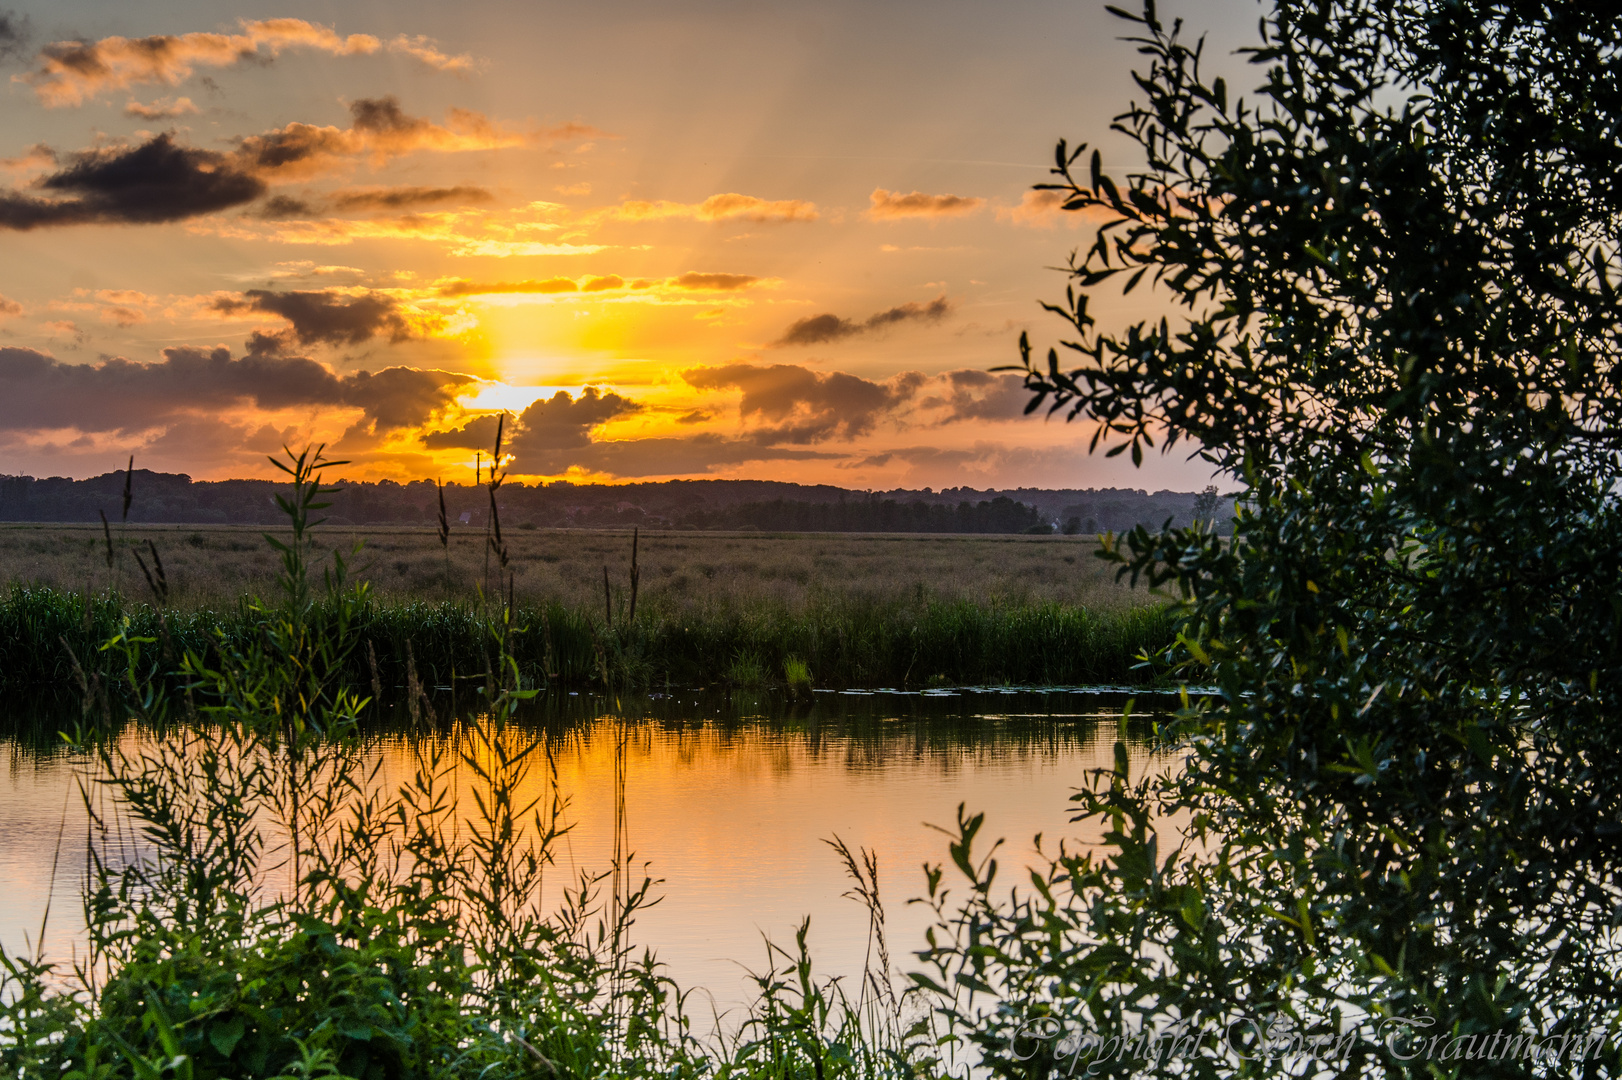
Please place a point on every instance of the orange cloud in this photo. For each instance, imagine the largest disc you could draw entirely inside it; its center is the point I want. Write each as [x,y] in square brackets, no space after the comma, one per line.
[162,109]
[71,72]
[692,280]
[9,308]
[891,205]
[717,208]
[38,156]
[424,49]
[383,130]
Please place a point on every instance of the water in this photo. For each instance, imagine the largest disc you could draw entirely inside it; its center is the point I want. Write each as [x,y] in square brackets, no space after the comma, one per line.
[727,803]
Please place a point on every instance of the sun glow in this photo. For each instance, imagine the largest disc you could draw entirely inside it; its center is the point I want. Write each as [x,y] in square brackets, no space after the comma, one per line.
[499,397]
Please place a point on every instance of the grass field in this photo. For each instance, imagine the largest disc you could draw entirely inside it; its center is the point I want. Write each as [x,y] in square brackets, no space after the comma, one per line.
[208,566]
[713,609]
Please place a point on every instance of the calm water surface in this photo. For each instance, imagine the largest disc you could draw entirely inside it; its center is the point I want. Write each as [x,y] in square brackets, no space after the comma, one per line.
[727,803]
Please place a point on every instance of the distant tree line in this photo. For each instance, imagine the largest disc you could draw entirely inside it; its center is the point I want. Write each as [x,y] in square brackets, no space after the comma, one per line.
[999,515]
[174,498]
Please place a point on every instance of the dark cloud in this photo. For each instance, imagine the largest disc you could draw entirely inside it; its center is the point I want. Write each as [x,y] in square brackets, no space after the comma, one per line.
[155,182]
[327,317]
[979,395]
[284,207]
[820,329]
[553,430]
[400,397]
[14,35]
[270,342]
[477,434]
[384,115]
[799,405]
[39,392]
[404,198]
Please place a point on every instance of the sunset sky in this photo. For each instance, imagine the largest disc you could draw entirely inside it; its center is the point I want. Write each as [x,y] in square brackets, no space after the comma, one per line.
[718,239]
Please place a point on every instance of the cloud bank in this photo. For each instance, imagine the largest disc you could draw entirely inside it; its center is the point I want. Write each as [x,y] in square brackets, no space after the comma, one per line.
[39,392]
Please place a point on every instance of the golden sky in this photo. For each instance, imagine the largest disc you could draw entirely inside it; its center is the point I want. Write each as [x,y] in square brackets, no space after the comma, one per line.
[724,239]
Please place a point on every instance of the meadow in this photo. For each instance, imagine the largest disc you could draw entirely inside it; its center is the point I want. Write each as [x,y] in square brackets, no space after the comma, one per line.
[707,609]
[208,566]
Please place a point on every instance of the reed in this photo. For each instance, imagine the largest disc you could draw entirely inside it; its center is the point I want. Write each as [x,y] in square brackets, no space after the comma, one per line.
[837,641]
[288,914]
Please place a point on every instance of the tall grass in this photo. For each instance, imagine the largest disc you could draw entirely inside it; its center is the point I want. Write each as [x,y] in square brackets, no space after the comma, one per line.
[260,905]
[840,640]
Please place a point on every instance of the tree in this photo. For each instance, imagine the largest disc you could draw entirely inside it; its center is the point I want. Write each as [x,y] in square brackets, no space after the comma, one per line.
[1399,332]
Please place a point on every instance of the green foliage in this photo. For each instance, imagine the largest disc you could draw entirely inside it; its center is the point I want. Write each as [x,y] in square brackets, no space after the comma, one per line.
[1398,264]
[849,641]
[262,904]
[797,673]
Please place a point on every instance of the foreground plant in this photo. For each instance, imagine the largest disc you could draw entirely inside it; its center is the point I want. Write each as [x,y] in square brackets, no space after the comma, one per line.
[262,904]
[1398,262]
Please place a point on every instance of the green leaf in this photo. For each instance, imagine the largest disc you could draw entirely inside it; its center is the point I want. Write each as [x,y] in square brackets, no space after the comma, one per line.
[225,1034]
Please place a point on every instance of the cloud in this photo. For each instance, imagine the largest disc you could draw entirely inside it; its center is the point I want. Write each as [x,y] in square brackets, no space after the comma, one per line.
[162,109]
[691,281]
[125,317]
[477,434]
[1045,210]
[404,198]
[561,433]
[488,288]
[38,156]
[717,208]
[821,329]
[381,128]
[67,328]
[9,308]
[157,181]
[14,34]
[799,405]
[891,205]
[461,231]
[39,392]
[561,421]
[328,316]
[71,72]
[426,51]
[286,207]
[970,394]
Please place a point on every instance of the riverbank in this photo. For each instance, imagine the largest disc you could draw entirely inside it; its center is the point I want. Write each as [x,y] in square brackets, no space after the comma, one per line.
[832,641]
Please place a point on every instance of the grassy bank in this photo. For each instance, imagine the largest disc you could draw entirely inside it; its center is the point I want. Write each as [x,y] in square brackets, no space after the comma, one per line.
[913,641]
